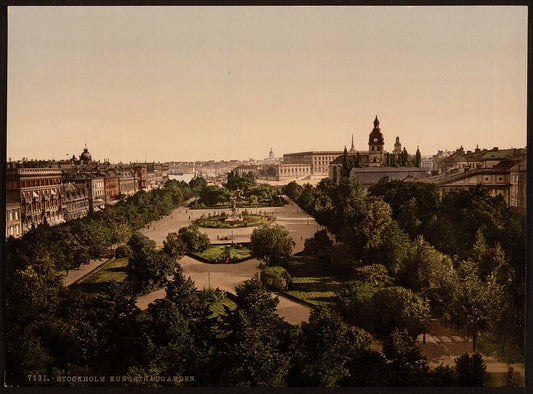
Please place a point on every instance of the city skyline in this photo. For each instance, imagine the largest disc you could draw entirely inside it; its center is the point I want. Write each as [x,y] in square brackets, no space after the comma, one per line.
[201,83]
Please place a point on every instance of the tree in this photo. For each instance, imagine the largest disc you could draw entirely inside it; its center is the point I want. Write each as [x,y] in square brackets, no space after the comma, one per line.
[319,246]
[470,370]
[328,346]
[197,184]
[430,273]
[376,274]
[271,244]
[276,278]
[397,307]
[474,303]
[194,240]
[212,195]
[292,190]
[354,301]
[174,246]
[418,158]
[408,367]
[252,352]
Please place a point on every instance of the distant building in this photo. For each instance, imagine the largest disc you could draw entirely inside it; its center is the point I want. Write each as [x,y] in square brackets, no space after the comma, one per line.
[506,178]
[305,164]
[368,176]
[376,157]
[38,191]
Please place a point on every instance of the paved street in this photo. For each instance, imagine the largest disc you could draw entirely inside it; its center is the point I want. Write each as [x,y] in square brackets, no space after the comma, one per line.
[228,276]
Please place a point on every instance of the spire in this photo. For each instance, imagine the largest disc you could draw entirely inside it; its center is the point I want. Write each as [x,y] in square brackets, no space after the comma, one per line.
[352,148]
[376,122]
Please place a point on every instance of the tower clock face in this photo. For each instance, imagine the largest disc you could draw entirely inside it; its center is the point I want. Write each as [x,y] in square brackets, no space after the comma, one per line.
[375,140]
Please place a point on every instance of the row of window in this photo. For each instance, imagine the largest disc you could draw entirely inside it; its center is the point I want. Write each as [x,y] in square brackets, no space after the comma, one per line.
[13,215]
[13,231]
[292,170]
[39,182]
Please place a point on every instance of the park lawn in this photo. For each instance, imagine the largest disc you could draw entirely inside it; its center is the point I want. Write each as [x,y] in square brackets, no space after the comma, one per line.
[212,252]
[113,270]
[218,221]
[218,307]
[311,284]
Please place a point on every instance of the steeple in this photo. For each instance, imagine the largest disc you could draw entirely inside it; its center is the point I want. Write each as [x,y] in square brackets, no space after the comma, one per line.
[376,123]
[352,148]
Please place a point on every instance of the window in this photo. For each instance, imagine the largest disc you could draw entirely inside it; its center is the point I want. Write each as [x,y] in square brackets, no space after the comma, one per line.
[377,148]
[373,149]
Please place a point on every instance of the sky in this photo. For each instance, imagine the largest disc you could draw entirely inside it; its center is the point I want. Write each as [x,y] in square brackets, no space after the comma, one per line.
[222,83]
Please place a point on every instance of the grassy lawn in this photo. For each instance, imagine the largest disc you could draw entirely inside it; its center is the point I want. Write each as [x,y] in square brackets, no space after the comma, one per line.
[214,251]
[107,272]
[311,283]
[218,307]
[219,221]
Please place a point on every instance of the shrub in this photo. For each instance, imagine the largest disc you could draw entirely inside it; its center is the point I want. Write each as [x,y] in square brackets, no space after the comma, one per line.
[276,278]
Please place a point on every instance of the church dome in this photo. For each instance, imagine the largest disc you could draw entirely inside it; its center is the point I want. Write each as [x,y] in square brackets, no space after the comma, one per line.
[376,137]
[85,157]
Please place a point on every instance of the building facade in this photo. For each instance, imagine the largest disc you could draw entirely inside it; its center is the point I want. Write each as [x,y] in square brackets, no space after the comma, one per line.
[112,189]
[38,191]
[13,220]
[142,175]
[127,181]
[75,200]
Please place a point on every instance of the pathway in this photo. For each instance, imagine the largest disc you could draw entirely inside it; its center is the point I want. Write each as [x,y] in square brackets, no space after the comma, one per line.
[443,346]
[228,276]
[85,269]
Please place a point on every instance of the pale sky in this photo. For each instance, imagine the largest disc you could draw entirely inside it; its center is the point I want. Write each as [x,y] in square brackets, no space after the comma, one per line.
[221,83]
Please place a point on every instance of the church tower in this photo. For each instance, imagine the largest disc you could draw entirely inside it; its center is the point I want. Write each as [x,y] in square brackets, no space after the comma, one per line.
[352,148]
[375,146]
[397,146]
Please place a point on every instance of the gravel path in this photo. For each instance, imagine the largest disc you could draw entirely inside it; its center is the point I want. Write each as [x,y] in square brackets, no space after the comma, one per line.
[228,276]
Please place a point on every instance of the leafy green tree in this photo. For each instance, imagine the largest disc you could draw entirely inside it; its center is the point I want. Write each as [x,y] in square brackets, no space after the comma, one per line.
[430,273]
[276,278]
[174,246]
[212,195]
[319,246]
[328,346]
[370,220]
[194,240]
[470,370]
[407,366]
[292,190]
[474,303]
[252,352]
[354,301]
[395,249]
[306,200]
[197,184]
[376,274]
[397,307]
[271,244]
